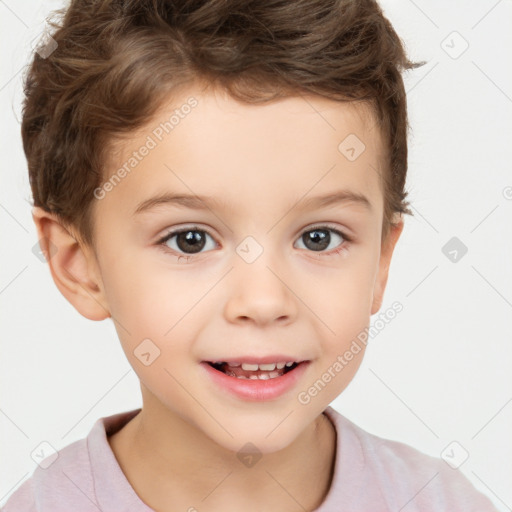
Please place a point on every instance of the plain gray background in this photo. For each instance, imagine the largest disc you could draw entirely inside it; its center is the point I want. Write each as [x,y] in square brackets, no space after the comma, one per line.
[437,377]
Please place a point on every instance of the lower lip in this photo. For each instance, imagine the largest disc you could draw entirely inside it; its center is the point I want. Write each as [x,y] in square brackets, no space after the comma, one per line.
[254,389]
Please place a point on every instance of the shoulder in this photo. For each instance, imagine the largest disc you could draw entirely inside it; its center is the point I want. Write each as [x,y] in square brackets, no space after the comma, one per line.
[402,477]
[79,475]
[62,481]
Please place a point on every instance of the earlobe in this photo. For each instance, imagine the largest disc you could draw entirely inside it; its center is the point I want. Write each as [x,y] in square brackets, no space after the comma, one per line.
[387,249]
[73,267]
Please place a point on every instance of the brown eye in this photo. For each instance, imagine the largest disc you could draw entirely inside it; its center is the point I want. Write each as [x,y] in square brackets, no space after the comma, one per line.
[317,240]
[186,241]
[192,241]
[320,238]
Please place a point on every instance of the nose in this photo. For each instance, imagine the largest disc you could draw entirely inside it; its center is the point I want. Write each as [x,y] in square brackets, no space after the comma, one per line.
[259,294]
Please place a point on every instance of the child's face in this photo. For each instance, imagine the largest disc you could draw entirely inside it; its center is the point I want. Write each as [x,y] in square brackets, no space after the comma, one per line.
[251,281]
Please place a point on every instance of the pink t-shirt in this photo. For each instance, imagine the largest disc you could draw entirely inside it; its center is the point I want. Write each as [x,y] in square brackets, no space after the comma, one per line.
[370,474]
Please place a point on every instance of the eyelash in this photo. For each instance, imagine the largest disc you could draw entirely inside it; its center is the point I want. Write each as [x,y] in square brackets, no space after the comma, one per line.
[162,241]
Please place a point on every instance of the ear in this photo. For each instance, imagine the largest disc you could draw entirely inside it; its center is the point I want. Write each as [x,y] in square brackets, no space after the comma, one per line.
[73,266]
[386,252]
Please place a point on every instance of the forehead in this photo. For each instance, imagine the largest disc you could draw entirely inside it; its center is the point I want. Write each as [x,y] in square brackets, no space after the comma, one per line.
[209,144]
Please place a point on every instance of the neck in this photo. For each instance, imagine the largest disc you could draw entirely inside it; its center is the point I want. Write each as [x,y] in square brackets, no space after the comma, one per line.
[171,465]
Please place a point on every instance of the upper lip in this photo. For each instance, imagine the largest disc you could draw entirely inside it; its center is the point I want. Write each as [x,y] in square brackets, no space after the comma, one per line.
[279,358]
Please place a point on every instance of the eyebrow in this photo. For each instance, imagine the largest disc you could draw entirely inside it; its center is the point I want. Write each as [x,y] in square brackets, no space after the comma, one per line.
[196,202]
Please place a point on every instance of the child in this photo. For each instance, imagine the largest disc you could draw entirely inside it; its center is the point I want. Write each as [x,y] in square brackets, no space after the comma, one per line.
[255,131]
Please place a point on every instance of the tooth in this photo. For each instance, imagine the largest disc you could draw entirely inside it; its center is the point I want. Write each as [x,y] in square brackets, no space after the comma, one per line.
[234,365]
[273,375]
[280,366]
[289,364]
[249,367]
[252,377]
[264,376]
[242,377]
[267,367]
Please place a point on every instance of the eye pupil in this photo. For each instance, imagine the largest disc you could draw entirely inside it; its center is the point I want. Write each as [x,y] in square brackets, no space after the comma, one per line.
[190,240]
[317,236]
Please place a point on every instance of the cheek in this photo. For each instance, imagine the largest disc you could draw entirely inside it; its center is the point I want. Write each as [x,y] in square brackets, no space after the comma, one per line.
[345,308]
[342,296]
[138,291]
[156,311]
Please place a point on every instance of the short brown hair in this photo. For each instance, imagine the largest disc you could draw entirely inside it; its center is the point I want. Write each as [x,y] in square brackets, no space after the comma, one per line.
[117,61]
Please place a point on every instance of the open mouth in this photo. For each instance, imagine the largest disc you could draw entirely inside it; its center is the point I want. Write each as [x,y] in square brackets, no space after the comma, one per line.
[251,371]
